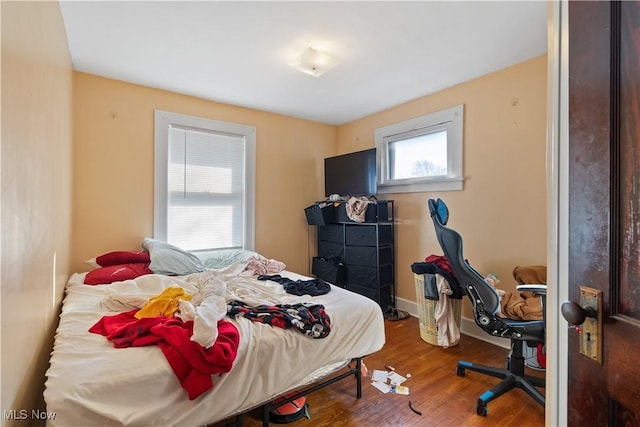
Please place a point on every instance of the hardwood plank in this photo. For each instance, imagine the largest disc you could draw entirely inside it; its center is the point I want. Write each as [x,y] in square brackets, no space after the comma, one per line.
[443,398]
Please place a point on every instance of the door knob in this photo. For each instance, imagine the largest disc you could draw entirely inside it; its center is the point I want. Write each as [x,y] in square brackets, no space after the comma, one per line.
[587,313]
[575,314]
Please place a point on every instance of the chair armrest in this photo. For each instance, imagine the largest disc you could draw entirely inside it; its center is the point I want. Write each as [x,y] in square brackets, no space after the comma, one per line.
[536,288]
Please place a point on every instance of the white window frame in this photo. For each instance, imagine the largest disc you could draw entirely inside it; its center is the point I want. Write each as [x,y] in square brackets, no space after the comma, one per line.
[452,120]
[163,119]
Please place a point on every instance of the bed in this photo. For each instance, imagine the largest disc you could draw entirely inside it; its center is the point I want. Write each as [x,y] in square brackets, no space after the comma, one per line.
[90,382]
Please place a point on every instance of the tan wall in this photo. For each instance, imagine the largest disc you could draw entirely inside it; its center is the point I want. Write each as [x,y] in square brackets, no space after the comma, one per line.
[501,213]
[36,194]
[113,168]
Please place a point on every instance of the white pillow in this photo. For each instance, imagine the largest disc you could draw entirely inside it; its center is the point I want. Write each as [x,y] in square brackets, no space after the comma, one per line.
[221,258]
[92,263]
[171,260]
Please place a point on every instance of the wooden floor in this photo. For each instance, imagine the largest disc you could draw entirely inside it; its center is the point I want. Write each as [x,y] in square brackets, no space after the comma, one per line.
[444,398]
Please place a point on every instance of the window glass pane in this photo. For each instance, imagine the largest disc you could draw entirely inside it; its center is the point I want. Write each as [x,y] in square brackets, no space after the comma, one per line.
[215,162]
[205,189]
[177,147]
[418,156]
[422,154]
[204,182]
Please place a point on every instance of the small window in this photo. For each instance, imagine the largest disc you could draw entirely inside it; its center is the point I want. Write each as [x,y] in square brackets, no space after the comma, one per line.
[204,183]
[421,154]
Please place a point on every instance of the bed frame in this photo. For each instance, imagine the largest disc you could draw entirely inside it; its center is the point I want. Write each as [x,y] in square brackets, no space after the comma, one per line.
[268,407]
[352,371]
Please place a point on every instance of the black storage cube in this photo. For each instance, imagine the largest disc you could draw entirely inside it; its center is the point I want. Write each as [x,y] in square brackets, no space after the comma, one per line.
[369,277]
[330,250]
[382,295]
[376,212]
[361,255]
[320,214]
[362,276]
[331,233]
[382,210]
[368,256]
[368,235]
[328,271]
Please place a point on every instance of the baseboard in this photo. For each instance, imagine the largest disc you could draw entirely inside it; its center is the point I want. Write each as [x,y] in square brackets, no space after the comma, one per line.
[408,306]
[467,326]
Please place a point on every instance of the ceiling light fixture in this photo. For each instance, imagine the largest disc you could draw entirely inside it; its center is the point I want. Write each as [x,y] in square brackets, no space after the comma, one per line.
[314,62]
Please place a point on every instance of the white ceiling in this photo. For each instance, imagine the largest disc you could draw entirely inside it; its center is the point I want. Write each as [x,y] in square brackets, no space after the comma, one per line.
[237,52]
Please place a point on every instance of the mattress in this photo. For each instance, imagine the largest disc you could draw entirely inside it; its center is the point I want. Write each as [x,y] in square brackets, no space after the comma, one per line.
[89,382]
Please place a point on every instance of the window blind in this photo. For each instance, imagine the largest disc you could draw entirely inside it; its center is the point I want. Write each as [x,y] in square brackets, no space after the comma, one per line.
[206,189]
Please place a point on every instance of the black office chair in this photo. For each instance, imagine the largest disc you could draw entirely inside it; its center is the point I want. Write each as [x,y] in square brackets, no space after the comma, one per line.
[486,303]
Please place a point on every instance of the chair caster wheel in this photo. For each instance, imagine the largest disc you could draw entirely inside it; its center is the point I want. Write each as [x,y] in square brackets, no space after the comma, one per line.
[460,371]
[481,409]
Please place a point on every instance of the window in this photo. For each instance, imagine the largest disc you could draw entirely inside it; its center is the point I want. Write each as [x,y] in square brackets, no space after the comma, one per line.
[204,193]
[421,154]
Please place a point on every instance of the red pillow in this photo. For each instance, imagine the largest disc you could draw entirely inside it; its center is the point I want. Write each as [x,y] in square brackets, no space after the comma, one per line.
[122,257]
[116,273]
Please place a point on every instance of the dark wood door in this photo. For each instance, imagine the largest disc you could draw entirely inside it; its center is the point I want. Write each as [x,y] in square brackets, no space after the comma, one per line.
[604,206]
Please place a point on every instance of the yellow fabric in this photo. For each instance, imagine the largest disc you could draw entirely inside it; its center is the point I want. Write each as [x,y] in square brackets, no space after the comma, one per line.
[165,304]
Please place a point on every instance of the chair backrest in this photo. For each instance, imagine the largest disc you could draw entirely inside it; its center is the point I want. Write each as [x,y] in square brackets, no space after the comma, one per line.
[451,244]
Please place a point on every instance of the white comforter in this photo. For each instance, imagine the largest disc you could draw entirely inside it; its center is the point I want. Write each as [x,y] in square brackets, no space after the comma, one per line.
[210,292]
[91,383]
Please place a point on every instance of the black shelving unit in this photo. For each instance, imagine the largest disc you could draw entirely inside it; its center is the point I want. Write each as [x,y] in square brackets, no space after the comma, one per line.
[359,256]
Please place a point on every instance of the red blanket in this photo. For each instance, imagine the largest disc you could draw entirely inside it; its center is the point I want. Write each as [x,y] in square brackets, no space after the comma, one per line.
[192,363]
